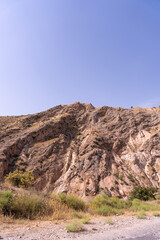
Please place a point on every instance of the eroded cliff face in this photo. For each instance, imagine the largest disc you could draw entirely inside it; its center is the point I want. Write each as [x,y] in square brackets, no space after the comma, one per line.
[84,150]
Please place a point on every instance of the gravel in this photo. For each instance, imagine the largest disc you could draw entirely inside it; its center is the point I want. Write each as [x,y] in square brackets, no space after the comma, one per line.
[125,228]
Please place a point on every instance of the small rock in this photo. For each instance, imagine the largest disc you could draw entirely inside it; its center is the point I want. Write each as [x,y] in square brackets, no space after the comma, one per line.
[94,229]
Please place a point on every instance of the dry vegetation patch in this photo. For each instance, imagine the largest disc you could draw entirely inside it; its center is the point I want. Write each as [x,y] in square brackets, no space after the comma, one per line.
[29,204]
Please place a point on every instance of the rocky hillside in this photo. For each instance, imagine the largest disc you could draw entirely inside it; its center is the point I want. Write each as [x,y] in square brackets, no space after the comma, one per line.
[85,150]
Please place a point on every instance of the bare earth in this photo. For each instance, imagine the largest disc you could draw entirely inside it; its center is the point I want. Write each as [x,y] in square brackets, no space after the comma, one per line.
[125,228]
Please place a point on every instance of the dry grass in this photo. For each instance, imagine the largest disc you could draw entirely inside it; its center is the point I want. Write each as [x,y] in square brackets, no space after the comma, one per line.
[85,220]
[141,215]
[109,221]
[75,226]
[27,204]
[156,214]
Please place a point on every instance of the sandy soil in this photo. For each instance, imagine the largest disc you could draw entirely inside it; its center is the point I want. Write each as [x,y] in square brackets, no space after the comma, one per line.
[123,228]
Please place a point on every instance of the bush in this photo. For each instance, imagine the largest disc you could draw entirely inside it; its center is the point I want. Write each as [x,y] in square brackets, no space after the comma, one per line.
[143,193]
[75,226]
[85,220]
[142,215]
[77,215]
[104,205]
[5,202]
[105,210]
[156,214]
[20,179]
[27,206]
[113,202]
[109,221]
[72,201]
[138,205]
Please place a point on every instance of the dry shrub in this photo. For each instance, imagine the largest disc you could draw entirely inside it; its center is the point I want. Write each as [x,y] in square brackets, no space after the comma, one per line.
[72,201]
[85,220]
[142,215]
[56,209]
[75,226]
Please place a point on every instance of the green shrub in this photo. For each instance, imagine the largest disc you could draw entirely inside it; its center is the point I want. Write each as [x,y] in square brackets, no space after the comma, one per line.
[114,202]
[77,214]
[27,206]
[99,201]
[79,133]
[143,193]
[72,201]
[142,215]
[105,210]
[21,205]
[104,205]
[109,221]
[156,214]
[5,201]
[138,205]
[157,196]
[20,179]
[85,220]
[75,226]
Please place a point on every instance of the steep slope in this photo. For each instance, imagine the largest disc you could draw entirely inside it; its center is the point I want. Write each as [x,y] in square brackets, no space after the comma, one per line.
[85,150]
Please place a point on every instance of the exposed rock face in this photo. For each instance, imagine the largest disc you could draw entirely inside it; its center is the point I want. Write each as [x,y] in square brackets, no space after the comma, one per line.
[85,150]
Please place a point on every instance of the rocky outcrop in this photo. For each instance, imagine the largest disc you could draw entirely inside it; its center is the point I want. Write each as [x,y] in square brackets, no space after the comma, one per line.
[85,150]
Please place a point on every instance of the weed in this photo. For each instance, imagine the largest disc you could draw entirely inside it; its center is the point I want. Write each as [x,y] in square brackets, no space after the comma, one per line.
[79,133]
[85,220]
[138,205]
[75,226]
[142,215]
[77,215]
[109,221]
[5,202]
[105,210]
[72,201]
[156,214]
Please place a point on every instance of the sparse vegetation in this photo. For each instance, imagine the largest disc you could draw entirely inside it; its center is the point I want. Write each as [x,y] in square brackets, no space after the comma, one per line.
[143,193]
[75,226]
[85,220]
[105,210]
[79,133]
[138,205]
[156,214]
[109,221]
[25,204]
[72,201]
[142,215]
[5,201]
[20,179]
[104,205]
[77,214]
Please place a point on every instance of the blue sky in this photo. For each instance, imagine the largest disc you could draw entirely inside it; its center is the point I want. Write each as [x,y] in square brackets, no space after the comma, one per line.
[53,52]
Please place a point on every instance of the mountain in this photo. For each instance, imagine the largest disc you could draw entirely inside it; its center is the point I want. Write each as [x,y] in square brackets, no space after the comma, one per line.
[84,150]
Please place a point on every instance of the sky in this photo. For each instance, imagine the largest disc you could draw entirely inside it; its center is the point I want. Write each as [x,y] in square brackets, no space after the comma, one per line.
[104,52]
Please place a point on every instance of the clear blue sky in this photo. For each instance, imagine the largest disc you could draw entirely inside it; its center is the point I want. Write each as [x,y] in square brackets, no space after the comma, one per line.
[53,52]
